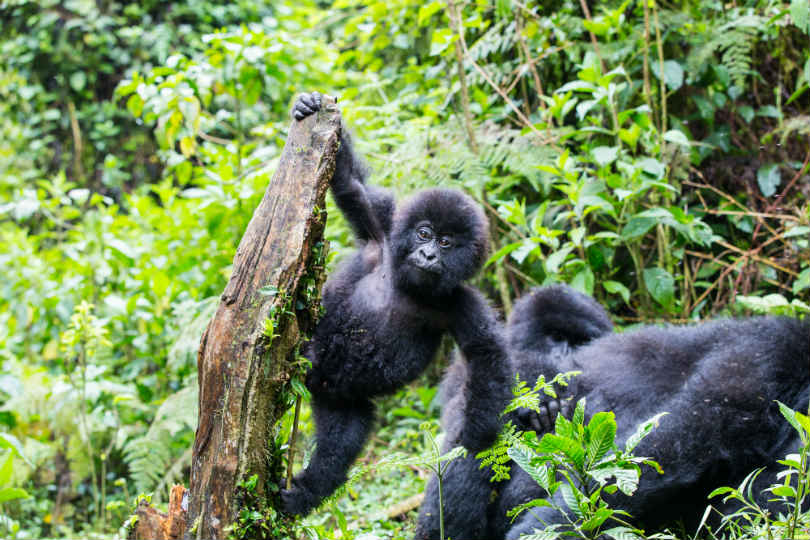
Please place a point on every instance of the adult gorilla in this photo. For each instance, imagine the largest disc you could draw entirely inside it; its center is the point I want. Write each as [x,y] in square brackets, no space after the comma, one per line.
[386,311]
[717,380]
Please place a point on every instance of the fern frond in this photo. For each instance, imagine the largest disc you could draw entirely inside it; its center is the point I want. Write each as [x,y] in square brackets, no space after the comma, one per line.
[152,458]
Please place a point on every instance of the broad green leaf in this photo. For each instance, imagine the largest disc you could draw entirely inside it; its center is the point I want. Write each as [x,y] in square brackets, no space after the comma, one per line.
[769,178]
[661,286]
[605,155]
[721,491]
[602,432]
[673,73]
[554,260]
[622,533]
[800,13]
[578,418]
[135,105]
[642,431]
[7,440]
[627,480]
[784,491]
[676,136]
[637,227]
[427,11]
[563,427]
[791,416]
[584,281]
[548,533]
[8,494]
[571,497]
[6,469]
[614,287]
[555,444]
[78,80]
[597,519]
[523,457]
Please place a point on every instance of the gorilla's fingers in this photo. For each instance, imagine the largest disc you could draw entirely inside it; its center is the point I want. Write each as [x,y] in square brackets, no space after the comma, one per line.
[553,409]
[313,100]
[302,110]
[534,421]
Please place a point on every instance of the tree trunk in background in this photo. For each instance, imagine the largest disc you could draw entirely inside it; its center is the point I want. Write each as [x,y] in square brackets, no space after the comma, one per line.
[244,374]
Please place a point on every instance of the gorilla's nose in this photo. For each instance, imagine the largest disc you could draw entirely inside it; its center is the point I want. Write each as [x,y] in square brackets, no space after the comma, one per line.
[428,255]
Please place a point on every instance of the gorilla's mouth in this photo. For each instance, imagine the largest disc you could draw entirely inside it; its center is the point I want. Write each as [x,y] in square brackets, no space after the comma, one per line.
[427,268]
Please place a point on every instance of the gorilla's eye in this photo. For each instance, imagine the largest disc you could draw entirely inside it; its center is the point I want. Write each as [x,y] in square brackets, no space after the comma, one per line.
[424,234]
[444,242]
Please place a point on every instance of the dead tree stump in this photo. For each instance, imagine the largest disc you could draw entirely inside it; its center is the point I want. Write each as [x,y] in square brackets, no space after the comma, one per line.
[247,352]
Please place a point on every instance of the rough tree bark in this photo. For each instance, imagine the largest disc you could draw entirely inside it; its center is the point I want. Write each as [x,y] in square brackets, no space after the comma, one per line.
[244,373]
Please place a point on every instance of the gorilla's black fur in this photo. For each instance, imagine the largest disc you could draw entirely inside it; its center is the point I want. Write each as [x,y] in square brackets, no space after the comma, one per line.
[718,381]
[386,310]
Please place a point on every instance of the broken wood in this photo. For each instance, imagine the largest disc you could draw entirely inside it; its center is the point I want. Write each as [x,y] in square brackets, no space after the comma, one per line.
[250,348]
[153,524]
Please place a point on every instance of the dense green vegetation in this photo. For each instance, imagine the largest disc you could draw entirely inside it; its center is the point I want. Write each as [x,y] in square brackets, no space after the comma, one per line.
[654,155]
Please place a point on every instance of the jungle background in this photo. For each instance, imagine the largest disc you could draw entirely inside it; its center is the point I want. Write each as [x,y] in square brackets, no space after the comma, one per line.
[653,154]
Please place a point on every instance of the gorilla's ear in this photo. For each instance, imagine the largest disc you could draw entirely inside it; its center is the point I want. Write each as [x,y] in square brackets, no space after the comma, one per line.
[560,313]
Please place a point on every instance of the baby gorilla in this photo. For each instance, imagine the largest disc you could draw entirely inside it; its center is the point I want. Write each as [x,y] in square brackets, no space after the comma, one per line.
[717,380]
[386,310]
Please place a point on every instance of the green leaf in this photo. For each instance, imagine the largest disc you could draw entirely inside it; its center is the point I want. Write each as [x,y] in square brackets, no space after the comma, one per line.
[802,282]
[605,155]
[642,431]
[578,418]
[135,105]
[427,11]
[676,136]
[8,494]
[769,178]
[637,227]
[77,80]
[7,469]
[661,286]
[7,440]
[800,13]
[721,491]
[571,496]
[555,444]
[597,519]
[622,533]
[627,480]
[602,432]
[584,281]
[784,491]
[673,73]
[523,457]
[614,287]
[791,416]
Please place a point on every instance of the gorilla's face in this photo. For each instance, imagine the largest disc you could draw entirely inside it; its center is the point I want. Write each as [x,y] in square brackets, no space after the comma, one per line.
[427,259]
[439,240]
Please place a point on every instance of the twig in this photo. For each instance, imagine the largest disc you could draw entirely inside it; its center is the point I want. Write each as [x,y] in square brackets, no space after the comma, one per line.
[525,121]
[291,447]
[455,21]
[595,43]
[75,129]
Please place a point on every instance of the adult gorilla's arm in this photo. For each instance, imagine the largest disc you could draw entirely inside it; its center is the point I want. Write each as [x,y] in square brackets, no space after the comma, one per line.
[367,209]
[479,336]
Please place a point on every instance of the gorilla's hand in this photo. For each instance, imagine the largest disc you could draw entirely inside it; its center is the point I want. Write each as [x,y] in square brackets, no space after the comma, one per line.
[544,421]
[306,104]
[297,500]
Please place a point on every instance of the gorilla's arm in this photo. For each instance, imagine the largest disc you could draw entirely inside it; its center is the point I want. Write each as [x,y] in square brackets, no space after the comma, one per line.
[479,336]
[341,432]
[367,209]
